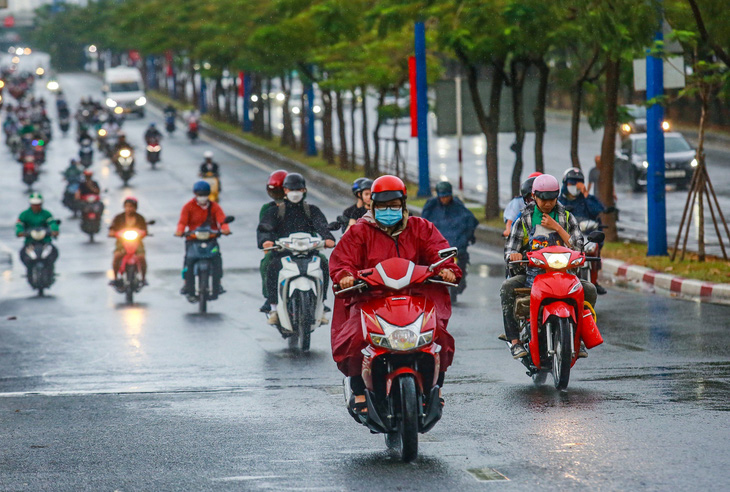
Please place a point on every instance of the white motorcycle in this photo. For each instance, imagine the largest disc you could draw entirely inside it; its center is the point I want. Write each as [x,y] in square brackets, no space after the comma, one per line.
[300,288]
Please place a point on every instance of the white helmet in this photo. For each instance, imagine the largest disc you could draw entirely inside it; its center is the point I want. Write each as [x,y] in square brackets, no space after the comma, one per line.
[208,154]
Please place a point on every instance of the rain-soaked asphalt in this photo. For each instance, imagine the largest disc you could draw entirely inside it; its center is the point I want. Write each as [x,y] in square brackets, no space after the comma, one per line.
[96,395]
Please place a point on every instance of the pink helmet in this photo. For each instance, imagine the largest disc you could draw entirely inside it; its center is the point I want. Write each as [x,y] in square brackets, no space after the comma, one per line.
[546,187]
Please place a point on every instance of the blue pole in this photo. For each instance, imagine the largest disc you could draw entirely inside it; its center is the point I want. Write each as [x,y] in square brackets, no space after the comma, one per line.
[246,102]
[151,74]
[203,95]
[311,143]
[655,184]
[424,180]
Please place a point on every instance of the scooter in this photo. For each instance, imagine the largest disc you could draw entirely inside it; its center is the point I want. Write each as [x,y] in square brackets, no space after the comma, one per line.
[170,122]
[91,212]
[86,153]
[401,363]
[203,248]
[462,260]
[589,270]
[69,197]
[214,182]
[124,164]
[301,298]
[553,316]
[153,151]
[30,172]
[64,123]
[40,271]
[193,131]
[39,151]
[128,280]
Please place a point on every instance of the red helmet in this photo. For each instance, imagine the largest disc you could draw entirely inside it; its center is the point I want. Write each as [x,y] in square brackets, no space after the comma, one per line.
[130,199]
[534,175]
[275,185]
[387,188]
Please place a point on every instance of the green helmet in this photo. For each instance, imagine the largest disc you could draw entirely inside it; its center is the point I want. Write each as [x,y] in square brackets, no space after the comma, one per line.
[35,198]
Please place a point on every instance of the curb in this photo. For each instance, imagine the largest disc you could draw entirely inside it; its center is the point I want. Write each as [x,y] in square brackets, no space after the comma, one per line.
[663,283]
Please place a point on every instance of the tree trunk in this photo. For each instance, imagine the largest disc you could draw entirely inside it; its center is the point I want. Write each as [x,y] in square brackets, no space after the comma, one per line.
[518,71]
[539,113]
[328,146]
[227,113]
[287,133]
[376,132]
[341,130]
[577,103]
[303,121]
[353,132]
[608,146]
[196,98]
[269,129]
[257,125]
[365,143]
[704,98]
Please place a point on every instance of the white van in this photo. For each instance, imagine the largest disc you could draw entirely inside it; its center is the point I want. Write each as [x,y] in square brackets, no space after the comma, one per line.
[124,88]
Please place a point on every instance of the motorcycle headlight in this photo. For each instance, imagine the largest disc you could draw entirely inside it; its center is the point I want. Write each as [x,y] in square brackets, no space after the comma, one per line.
[111,102]
[402,338]
[130,235]
[125,153]
[202,235]
[557,261]
[141,101]
[38,235]
[52,85]
[102,132]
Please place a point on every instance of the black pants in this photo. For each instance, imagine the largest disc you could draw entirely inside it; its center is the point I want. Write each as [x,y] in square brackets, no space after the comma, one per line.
[272,276]
[507,293]
[189,270]
[462,260]
[27,261]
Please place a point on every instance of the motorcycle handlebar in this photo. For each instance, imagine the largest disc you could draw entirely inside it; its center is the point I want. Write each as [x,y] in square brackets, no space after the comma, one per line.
[359,285]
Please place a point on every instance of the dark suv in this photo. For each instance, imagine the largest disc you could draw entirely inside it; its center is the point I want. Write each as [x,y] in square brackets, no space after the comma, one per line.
[631,163]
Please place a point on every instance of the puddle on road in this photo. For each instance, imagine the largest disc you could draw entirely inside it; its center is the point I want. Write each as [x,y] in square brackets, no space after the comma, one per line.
[486,474]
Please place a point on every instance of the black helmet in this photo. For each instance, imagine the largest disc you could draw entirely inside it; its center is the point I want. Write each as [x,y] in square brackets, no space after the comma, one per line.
[573,174]
[357,185]
[526,188]
[366,184]
[444,188]
[294,181]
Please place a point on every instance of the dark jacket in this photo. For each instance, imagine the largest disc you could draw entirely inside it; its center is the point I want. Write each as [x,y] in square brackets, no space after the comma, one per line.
[582,207]
[120,222]
[454,221]
[295,219]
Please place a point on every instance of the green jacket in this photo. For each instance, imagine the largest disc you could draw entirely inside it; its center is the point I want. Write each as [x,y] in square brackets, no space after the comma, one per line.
[29,219]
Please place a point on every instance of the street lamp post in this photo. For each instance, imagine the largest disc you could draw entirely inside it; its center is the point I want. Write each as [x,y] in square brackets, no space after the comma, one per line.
[424,179]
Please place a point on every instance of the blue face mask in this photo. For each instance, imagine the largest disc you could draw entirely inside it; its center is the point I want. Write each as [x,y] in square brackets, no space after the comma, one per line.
[389,217]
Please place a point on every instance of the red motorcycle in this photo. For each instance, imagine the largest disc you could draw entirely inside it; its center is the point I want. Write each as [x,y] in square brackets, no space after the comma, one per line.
[402,363]
[92,209]
[553,316]
[193,130]
[127,279]
[30,172]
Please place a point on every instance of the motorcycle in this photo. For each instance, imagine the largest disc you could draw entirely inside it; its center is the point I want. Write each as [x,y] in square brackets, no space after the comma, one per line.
[401,363]
[153,151]
[589,270]
[39,151]
[91,210]
[214,182]
[124,164]
[86,153]
[204,249]
[30,172]
[170,122]
[462,259]
[64,123]
[301,279]
[553,316]
[69,197]
[193,131]
[40,271]
[128,280]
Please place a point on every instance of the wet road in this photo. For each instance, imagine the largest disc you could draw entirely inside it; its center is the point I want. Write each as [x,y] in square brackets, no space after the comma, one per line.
[98,395]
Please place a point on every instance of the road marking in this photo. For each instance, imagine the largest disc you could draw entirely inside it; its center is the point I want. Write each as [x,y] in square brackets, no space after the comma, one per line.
[243,478]
[486,474]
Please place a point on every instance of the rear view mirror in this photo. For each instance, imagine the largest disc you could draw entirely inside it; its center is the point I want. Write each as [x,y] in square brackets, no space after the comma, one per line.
[57,221]
[334,226]
[150,222]
[596,237]
[229,219]
[448,253]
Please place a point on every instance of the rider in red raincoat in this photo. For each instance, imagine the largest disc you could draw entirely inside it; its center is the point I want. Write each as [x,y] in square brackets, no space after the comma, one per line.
[385,232]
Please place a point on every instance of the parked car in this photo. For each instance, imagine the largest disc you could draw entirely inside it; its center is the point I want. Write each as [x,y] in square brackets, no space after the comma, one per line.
[631,164]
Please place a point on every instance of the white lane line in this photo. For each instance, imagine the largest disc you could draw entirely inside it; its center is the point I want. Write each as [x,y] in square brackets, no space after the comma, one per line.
[243,478]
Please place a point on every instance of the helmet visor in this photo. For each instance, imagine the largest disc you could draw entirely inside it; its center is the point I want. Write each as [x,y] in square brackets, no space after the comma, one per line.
[547,195]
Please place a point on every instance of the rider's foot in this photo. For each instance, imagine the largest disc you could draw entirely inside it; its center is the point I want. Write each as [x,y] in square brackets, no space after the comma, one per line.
[502,337]
[144,282]
[601,290]
[192,298]
[184,291]
[582,352]
[327,309]
[518,351]
[265,307]
[359,404]
[274,318]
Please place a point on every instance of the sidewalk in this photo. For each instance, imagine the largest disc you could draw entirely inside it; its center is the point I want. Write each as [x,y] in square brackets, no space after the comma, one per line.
[620,273]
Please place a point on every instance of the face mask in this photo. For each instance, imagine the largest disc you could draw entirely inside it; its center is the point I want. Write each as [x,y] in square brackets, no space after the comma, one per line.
[573,189]
[295,196]
[389,217]
[202,200]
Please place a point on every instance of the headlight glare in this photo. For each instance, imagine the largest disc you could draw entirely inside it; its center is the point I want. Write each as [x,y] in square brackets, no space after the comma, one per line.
[557,261]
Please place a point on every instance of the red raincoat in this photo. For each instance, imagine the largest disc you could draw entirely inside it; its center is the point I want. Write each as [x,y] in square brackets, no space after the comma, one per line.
[364,246]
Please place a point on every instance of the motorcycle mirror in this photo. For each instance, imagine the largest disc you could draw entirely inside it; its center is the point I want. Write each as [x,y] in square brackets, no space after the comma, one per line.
[229,219]
[596,237]
[58,221]
[333,226]
[151,222]
[448,253]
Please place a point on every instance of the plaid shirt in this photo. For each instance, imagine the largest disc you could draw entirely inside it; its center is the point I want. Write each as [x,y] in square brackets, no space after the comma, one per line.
[516,242]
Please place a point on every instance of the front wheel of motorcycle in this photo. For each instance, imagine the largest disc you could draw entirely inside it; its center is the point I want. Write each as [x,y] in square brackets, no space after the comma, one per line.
[408,422]
[562,357]
[203,291]
[131,275]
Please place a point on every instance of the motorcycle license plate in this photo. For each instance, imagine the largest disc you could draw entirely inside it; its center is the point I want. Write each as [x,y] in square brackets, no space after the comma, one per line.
[675,174]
